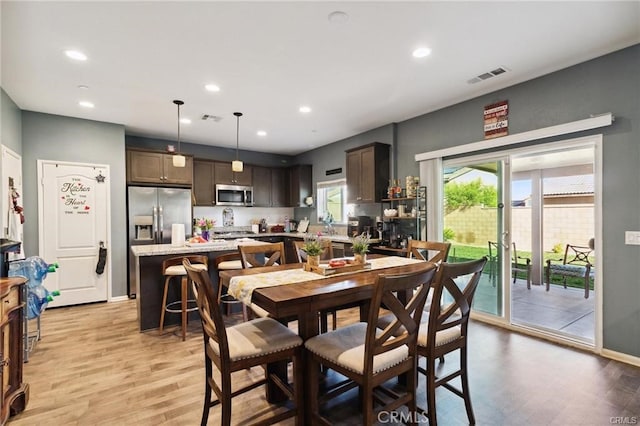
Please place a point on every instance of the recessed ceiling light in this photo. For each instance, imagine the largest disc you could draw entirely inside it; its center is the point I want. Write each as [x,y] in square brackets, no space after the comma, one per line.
[305,109]
[212,88]
[76,55]
[421,52]
[86,104]
[185,121]
[261,133]
[338,17]
[83,87]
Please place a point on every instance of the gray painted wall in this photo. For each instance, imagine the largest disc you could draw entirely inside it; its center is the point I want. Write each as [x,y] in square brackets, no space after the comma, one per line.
[52,137]
[10,123]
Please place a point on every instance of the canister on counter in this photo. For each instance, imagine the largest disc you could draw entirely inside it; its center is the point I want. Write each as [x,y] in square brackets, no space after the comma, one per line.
[410,186]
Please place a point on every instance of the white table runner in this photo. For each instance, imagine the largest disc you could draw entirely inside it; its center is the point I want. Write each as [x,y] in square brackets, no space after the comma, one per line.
[241,288]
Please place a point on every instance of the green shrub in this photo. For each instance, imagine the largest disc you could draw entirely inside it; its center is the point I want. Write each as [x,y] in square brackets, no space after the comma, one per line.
[448,234]
[558,248]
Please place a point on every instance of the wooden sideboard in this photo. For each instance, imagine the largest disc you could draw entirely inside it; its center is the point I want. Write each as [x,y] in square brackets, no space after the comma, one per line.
[13,393]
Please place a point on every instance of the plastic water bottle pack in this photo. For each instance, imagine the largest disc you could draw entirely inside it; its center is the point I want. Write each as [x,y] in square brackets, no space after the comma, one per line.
[34,269]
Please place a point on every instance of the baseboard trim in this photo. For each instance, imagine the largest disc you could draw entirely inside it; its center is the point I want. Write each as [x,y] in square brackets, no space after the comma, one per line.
[619,356]
[605,353]
[119,299]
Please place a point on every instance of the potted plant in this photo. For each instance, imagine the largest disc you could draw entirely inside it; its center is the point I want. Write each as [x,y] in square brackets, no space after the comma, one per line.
[360,247]
[313,248]
[205,226]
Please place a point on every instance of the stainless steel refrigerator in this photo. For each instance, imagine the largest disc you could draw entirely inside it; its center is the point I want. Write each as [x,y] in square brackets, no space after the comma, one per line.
[150,213]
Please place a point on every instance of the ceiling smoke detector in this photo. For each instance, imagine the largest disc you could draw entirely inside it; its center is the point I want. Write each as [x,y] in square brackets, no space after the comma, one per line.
[215,118]
[488,75]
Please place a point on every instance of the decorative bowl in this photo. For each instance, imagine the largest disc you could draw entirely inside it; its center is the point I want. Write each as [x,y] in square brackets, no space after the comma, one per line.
[390,212]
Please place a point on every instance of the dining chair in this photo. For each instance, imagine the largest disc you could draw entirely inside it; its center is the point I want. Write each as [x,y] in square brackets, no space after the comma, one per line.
[575,263]
[226,262]
[445,330]
[245,345]
[327,254]
[368,357]
[432,251]
[259,255]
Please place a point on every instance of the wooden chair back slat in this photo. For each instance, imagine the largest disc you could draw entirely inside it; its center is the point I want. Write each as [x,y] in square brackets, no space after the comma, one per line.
[327,250]
[206,298]
[403,329]
[435,251]
[268,254]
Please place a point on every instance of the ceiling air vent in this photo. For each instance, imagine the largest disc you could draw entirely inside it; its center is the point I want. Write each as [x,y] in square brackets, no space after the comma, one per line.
[487,75]
[215,118]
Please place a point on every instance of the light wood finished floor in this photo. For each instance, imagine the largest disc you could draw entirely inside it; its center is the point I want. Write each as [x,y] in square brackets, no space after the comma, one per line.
[92,366]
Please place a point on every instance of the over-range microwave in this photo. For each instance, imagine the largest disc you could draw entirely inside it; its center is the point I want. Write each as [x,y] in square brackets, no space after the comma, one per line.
[234,195]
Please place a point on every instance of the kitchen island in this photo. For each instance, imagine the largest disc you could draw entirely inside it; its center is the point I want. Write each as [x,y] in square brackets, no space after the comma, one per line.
[148,270]
[149,279]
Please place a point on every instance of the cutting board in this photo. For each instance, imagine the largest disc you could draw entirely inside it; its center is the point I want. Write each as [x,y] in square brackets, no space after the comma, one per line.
[303,225]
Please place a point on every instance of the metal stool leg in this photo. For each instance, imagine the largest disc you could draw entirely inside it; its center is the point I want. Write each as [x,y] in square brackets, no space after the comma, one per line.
[184,307]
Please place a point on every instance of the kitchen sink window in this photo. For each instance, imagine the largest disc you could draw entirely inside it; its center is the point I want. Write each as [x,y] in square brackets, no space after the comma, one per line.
[332,198]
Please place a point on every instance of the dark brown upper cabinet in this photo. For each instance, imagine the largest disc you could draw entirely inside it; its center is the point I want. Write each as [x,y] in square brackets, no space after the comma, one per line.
[150,167]
[203,183]
[299,184]
[224,174]
[367,173]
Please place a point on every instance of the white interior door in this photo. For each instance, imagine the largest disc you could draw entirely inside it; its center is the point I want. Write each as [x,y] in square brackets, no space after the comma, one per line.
[73,208]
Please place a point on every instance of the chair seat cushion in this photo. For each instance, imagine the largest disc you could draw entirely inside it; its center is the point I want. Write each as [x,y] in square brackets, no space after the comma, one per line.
[179,269]
[258,337]
[230,264]
[345,347]
[442,337]
[571,270]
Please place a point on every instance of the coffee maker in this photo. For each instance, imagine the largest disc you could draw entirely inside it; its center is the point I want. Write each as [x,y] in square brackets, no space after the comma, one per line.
[358,224]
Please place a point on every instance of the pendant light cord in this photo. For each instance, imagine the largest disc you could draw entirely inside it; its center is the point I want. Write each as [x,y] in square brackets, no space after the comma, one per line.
[179,103]
[238,115]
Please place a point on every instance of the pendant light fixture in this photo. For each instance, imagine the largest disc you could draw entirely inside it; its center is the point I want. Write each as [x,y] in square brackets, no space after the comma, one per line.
[179,160]
[236,165]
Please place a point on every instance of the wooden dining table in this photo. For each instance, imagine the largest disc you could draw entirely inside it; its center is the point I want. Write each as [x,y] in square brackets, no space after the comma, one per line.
[303,301]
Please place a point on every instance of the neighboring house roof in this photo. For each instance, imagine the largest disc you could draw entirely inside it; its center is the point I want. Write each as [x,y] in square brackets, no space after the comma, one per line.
[568,185]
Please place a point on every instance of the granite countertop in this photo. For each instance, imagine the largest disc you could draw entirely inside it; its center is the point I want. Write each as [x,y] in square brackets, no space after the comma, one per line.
[223,244]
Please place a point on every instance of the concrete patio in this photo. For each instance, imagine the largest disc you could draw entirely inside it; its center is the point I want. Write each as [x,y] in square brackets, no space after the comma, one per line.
[560,310]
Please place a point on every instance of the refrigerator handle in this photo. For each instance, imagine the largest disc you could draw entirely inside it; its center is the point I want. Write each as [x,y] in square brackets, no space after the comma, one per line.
[161,218]
[155,224]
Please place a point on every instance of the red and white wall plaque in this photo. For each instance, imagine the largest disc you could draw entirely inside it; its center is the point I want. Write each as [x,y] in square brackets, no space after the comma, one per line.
[496,120]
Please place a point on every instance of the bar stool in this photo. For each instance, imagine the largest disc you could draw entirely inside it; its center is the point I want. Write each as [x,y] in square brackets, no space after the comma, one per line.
[226,262]
[171,268]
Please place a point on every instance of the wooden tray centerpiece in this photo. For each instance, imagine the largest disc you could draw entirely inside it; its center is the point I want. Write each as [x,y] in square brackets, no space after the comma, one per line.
[325,268]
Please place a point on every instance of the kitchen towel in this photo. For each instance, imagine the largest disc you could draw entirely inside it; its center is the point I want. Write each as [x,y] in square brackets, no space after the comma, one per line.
[177,234]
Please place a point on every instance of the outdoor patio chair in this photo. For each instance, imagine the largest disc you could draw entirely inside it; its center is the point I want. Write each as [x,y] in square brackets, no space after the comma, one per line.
[575,263]
[518,263]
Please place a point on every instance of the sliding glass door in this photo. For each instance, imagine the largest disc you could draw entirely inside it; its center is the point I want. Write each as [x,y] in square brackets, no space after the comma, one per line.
[473,221]
[555,194]
[522,209]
